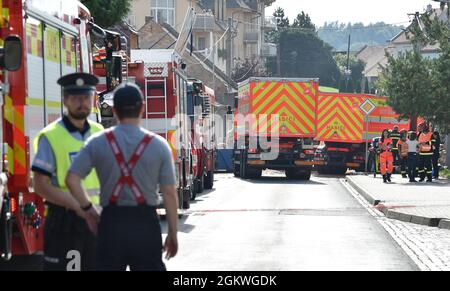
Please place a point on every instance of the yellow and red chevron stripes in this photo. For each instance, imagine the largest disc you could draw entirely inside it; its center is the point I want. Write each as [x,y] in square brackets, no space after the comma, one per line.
[14,126]
[293,102]
[339,118]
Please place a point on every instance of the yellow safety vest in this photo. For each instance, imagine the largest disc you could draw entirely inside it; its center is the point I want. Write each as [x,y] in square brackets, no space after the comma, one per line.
[65,147]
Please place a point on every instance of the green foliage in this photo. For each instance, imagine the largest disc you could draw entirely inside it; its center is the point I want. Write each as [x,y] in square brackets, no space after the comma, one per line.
[303,21]
[303,54]
[282,21]
[421,86]
[352,83]
[107,13]
[336,34]
[406,80]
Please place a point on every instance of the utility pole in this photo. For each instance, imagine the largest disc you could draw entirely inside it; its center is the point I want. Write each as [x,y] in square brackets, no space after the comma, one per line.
[279,59]
[229,46]
[347,70]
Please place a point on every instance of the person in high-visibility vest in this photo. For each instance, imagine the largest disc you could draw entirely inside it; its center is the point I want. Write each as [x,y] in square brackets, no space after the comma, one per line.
[426,149]
[403,153]
[395,136]
[386,157]
[133,166]
[65,229]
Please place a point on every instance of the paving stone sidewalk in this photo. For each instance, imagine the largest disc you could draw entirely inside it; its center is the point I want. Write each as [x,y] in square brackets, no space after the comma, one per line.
[420,203]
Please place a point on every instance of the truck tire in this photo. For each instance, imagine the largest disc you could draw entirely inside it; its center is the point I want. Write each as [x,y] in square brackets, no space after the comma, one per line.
[5,232]
[296,174]
[237,171]
[323,170]
[290,174]
[305,176]
[209,180]
[186,204]
[201,185]
[253,173]
[194,187]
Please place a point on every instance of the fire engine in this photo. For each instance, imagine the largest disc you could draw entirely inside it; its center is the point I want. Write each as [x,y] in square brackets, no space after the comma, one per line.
[160,75]
[341,128]
[201,112]
[293,102]
[51,39]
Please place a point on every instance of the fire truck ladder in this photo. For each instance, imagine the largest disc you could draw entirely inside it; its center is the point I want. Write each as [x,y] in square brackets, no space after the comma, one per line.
[124,69]
[206,106]
[148,99]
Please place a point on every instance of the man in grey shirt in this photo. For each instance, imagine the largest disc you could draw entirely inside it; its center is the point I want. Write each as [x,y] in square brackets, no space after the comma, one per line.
[132,165]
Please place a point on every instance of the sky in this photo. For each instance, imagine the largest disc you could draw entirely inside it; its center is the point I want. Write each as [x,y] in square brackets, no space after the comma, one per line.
[365,11]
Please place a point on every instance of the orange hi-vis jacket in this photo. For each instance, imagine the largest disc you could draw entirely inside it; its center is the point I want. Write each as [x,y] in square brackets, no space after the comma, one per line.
[386,145]
[403,148]
[426,144]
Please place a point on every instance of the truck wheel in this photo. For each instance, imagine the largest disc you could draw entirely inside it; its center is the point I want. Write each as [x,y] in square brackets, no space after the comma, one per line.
[254,174]
[194,187]
[322,170]
[290,174]
[305,176]
[5,232]
[209,180]
[187,199]
[201,185]
[237,171]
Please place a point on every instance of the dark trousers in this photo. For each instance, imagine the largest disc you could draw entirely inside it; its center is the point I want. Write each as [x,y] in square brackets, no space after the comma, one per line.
[426,167]
[129,236]
[412,165]
[69,245]
[403,165]
[436,165]
[396,156]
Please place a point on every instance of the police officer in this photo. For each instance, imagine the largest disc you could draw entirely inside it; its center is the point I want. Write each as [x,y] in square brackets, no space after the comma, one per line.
[56,145]
[395,136]
[132,164]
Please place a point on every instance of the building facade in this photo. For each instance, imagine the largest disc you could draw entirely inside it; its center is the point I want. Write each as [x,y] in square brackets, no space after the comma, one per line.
[210,29]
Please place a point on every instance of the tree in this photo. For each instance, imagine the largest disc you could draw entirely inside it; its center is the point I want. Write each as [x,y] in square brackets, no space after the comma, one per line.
[279,15]
[417,85]
[303,21]
[107,13]
[407,81]
[354,81]
[304,55]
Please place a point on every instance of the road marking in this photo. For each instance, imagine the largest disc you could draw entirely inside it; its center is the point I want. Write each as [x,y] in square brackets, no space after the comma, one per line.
[420,257]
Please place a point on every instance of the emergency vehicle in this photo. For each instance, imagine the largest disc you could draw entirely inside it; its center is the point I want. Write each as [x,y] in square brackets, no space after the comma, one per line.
[293,101]
[201,112]
[163,81]
[55,39]
[342,127]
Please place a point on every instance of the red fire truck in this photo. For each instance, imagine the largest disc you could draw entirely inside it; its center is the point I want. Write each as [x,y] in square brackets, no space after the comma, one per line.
[201,112]
[51,40]
[161,77]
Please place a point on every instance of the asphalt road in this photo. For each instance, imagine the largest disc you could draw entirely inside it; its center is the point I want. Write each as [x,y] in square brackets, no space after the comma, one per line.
[275,224]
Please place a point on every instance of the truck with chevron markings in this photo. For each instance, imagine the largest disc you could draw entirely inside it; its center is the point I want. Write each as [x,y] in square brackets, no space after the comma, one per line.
[343,130]
[275,127]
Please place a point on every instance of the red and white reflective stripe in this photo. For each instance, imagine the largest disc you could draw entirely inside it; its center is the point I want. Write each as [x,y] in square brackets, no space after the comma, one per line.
[127,168]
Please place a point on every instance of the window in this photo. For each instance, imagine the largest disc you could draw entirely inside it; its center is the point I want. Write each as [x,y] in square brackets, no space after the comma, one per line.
[163,11]
[201,43]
